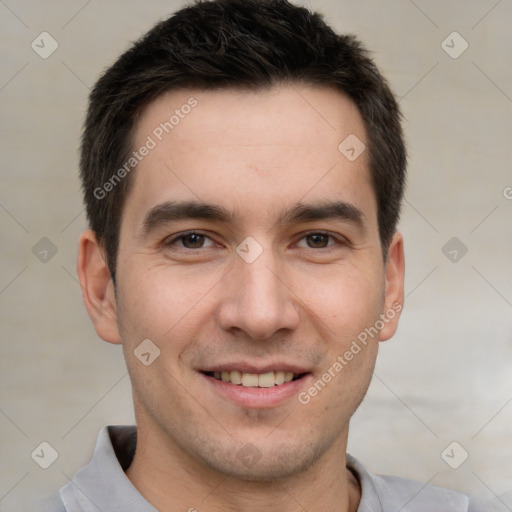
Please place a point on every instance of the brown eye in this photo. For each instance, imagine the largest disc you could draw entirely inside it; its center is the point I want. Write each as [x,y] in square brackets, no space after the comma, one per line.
[317,240]
[188,240]
[192,241]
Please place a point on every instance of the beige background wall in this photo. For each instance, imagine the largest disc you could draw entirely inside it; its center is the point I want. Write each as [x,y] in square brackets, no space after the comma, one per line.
[446,376]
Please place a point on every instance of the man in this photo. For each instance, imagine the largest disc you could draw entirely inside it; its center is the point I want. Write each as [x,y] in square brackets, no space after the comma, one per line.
[243,168]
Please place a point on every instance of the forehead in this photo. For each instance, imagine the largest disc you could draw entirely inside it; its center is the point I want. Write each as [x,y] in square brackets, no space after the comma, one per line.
[253,150]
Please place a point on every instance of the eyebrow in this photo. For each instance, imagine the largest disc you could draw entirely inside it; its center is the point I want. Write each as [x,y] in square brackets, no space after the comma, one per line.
[170,211]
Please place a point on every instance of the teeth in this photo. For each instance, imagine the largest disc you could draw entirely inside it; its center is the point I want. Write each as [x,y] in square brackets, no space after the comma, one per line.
[250,380]
[266,380]
[235,377]
[279,376]
[254,380]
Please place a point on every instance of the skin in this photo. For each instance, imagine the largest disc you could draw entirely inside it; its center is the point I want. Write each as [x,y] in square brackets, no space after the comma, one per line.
[300,301]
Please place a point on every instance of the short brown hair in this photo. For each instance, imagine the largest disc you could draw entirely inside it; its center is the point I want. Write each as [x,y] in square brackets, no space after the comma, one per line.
[248,44]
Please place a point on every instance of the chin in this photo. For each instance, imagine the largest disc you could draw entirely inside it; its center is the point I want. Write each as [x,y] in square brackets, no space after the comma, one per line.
[256,463]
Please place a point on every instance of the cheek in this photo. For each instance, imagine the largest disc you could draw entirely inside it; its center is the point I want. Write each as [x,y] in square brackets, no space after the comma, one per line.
[346,297]
[159,301]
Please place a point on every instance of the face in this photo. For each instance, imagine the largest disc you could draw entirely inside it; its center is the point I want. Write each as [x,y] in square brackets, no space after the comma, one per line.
[249,252]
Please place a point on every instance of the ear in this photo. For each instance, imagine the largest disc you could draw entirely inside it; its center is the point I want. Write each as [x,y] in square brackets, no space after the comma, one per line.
[394,293]
[97,287]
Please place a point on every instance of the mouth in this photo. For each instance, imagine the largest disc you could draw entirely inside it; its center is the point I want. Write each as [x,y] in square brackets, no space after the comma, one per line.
[256,386]
[268,379]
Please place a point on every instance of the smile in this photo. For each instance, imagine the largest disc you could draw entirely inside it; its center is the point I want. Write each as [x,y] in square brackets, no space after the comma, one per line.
[255,380]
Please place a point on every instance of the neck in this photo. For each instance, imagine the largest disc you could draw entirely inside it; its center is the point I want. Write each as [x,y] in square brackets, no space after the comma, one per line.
[171,479]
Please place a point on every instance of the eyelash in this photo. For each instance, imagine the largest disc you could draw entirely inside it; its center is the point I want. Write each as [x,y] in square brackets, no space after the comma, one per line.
[338,240]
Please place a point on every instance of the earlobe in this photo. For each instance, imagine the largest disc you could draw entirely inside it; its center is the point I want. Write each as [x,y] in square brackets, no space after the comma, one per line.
[97,287]
[394,293]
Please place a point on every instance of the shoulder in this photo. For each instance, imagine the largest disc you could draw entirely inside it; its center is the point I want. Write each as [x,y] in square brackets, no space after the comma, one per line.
[416,496]
[384,493]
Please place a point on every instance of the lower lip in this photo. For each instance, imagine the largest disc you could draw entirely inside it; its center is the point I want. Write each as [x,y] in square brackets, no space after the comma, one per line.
[257,398]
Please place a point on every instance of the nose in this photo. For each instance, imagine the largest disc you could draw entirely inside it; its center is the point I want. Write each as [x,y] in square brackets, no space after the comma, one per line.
[257,299]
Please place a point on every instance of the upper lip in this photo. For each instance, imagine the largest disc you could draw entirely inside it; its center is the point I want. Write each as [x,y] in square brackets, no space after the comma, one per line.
[246,367]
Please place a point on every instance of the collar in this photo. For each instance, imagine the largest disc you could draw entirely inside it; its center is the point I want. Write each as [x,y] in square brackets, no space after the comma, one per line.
[103,485]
